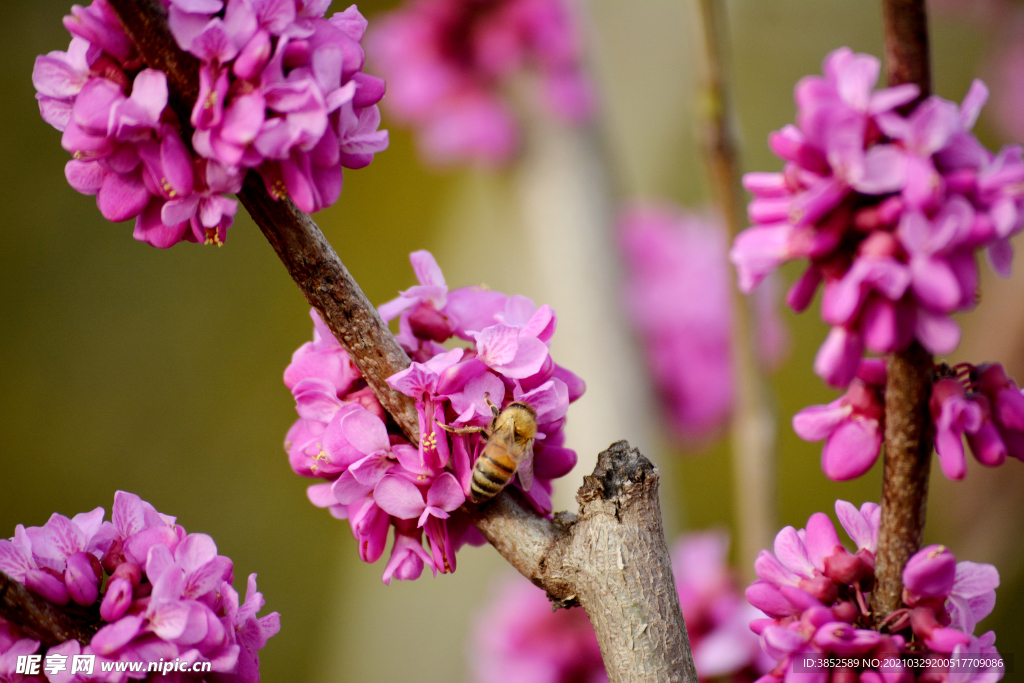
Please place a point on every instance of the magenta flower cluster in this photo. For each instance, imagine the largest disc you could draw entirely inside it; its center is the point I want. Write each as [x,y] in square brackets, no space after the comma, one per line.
[281,91]
[167,593]
[519,639]
[852,426]
[814,592]
[448,63]
[979,403]
[378,480]
[889,209]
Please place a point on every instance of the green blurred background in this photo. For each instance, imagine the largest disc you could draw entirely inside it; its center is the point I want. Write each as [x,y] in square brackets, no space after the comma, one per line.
[159,372]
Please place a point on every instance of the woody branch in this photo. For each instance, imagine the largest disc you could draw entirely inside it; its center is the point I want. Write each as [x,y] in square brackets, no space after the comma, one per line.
[908,430]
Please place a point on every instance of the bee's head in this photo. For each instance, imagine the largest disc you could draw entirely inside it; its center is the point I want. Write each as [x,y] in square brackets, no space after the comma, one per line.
[525,418]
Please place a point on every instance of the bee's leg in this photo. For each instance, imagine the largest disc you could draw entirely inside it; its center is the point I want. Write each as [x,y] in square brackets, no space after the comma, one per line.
[459,430]
[490,404]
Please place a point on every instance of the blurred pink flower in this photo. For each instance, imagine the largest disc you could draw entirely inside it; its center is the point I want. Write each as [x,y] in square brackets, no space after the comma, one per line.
[677,295]
[448,61]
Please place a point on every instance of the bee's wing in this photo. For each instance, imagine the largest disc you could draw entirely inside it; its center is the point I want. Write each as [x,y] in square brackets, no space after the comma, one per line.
[525,468]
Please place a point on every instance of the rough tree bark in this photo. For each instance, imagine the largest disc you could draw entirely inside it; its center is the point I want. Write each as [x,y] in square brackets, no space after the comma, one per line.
[43,621]
[611,558]
[753,422]
[908,430]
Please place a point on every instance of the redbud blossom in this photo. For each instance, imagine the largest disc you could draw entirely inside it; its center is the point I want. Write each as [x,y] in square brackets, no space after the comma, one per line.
[281,90]
[888,209]
[374,477]
[448,62]
[815,594]
[852,424]
[677,297]
[168,593]
[982,404]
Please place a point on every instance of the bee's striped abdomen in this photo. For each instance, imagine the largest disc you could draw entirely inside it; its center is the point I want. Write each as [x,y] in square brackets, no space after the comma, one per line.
[490,475]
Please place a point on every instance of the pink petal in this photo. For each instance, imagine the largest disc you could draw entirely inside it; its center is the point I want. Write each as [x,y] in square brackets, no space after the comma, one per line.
[109,639]
[934,283]
[851,450]
[195,551]
[399,497]
[530,356]
[855,524]
[347,490]
[497,344]
[937,332]
[552,462]
[815,423]
[791,552]
[13,561]
[445,493]
[975,99]
[820,539]
[839,356]
[121,197]
[366,432]
[369,470]
[321,495]
[885,170]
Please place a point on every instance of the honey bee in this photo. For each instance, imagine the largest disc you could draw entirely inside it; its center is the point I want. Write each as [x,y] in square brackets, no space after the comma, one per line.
[509,449]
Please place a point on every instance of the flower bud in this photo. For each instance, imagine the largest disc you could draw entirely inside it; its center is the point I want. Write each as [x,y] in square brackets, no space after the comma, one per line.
[930,573]
[130,571]
[427,322]
[117,599]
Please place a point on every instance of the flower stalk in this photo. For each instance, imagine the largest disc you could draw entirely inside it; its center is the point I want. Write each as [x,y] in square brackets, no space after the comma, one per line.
[753,421]
[908,430]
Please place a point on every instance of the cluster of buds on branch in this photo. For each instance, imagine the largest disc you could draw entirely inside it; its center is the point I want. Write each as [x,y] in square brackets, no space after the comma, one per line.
[888,208]
[281,90]
[377,479]
[814,592]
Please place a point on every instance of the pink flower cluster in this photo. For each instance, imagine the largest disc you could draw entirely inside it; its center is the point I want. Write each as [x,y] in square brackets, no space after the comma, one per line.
[378,480]
[980,403]
[520,640]
[448,62]
[853,425]
[677,296]
[889,210]
[281,91]
[167,594]
[814,592]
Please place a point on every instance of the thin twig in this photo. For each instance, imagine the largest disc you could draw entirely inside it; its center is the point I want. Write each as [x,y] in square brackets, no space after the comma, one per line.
[753,420]
[908,429]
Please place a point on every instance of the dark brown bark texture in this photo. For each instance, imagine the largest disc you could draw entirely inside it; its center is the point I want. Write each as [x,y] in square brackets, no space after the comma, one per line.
[41,620]
[908,428]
